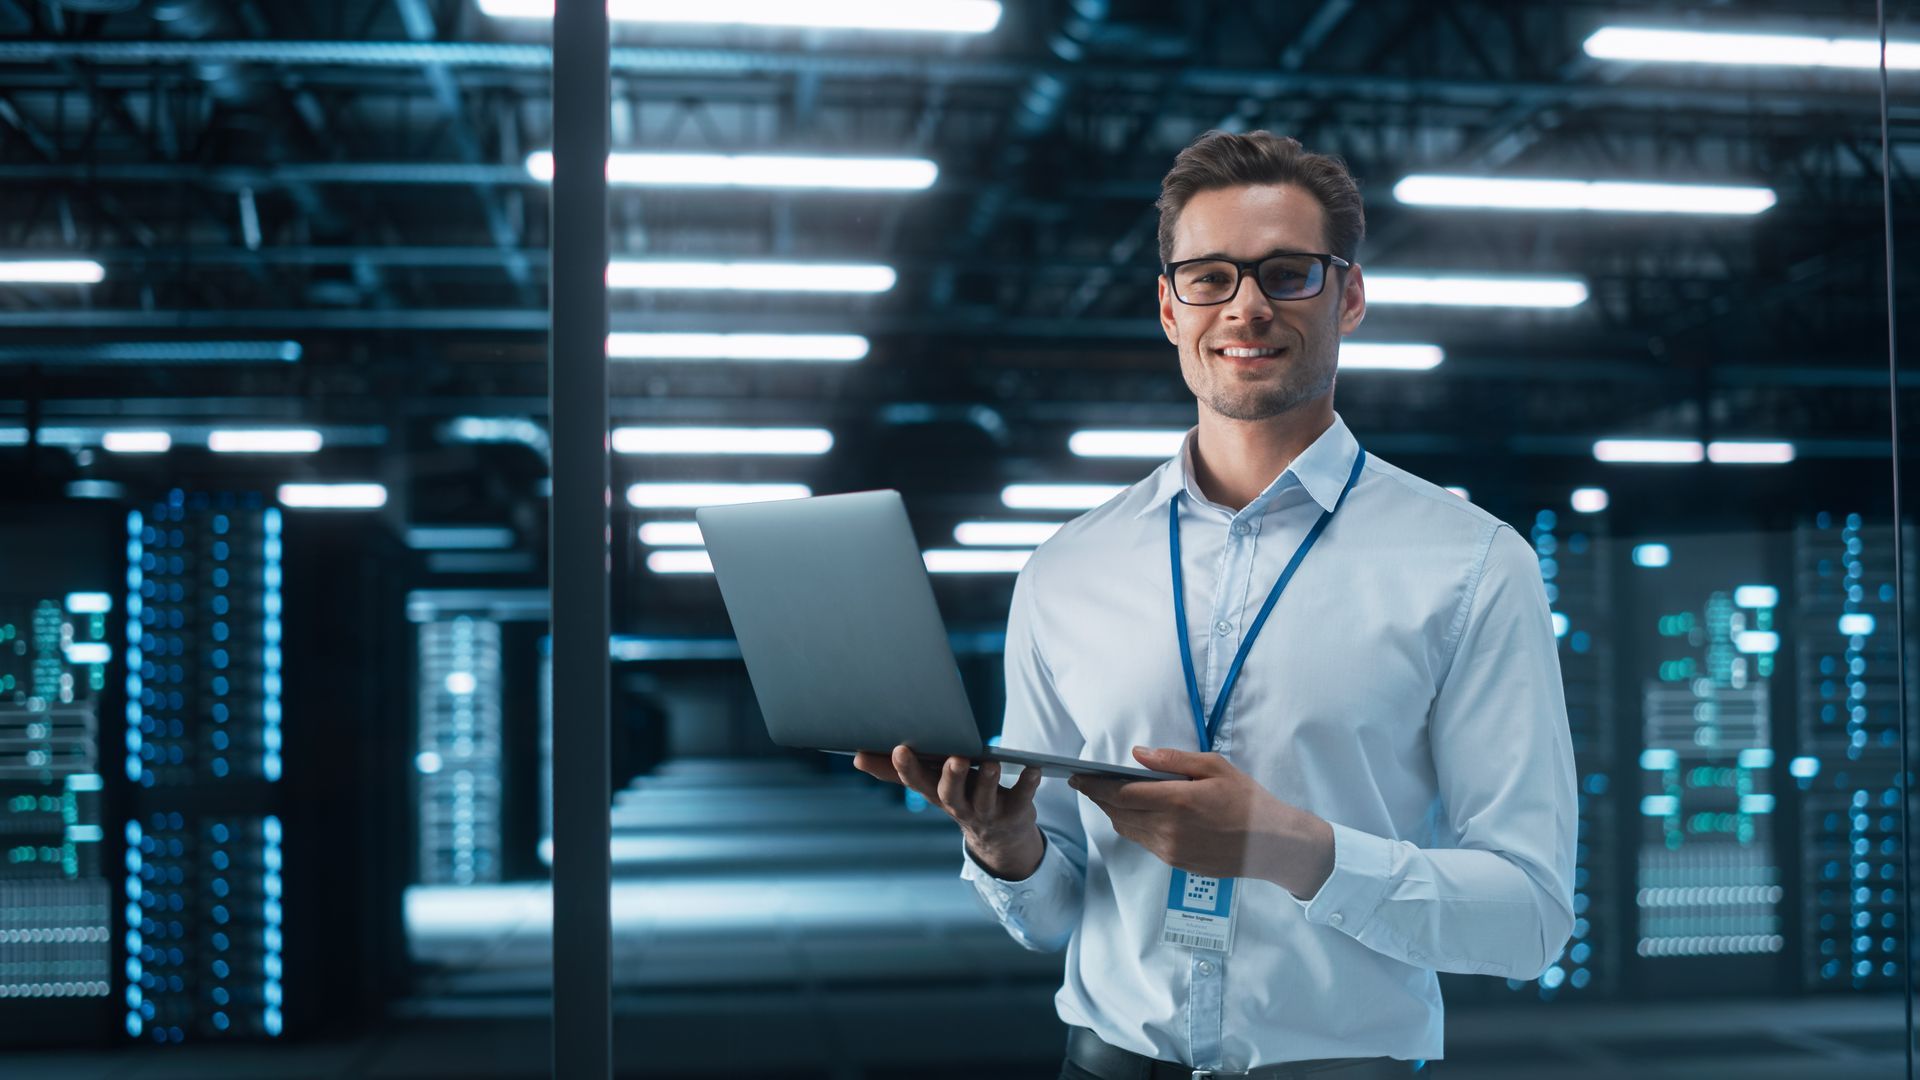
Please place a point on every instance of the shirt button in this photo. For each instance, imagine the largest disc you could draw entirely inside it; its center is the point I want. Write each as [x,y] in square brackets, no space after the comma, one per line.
[1241,528]
[1206,967]
[1335,919]
[1223,627]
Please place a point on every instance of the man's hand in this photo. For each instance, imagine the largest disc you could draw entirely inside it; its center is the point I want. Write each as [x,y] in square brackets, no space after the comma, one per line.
[1220,823]
[999,823]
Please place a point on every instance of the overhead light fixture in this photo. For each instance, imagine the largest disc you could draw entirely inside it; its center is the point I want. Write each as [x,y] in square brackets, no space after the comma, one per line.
[1649,451]
[1589,500]
[265,441]
[750,276]
[1649,45]
[144,353]
[1126,444]
[1737,452]
[1004,533]
[89,652]
[659,495]
[975,561]
[671,534]
[459,537]
[756,171]
[136,442]
[816,348]
[1652,556]
[1058,496]
[939,16]
[1459,291]
[333,496]
[51,271]
[721,440]
[1371,356]
[1856,624]
[1615,196]
[684,561]
[1756,596]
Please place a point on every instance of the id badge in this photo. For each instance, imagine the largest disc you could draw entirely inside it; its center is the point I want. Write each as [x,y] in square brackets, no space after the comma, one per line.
[1199,912]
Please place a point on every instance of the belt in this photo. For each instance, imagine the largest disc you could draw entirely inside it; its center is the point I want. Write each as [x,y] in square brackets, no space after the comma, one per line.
[1109,1062]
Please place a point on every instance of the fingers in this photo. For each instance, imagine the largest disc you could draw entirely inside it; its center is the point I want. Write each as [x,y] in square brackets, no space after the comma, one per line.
[953,788]
[1023,789]
[876,765]
[914,774]
[1183,762]
[987,791]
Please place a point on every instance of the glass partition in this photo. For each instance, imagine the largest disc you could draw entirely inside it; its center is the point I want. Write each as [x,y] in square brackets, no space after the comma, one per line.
[1577,738]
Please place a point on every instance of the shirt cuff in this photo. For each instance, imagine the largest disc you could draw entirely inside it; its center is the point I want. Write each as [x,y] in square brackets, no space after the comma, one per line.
[1012,898]
[1362,875]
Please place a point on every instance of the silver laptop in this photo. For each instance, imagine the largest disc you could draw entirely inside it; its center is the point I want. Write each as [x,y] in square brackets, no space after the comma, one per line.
[843,641]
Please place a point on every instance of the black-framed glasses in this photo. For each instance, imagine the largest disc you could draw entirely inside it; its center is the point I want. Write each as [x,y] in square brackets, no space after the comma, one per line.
[1285,275]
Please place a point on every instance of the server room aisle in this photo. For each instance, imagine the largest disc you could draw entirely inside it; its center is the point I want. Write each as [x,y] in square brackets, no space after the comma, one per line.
[803,920]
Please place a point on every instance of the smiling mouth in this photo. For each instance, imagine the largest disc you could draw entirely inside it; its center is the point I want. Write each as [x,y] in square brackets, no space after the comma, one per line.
[1262,353]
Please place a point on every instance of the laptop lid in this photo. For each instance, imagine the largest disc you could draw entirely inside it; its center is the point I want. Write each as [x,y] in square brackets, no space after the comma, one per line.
[836,620]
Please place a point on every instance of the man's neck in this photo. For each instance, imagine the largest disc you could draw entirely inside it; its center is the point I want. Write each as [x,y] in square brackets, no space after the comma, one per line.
[1235,460]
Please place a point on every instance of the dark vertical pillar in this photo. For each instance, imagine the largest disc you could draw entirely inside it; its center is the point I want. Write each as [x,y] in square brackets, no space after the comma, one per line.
[582,870]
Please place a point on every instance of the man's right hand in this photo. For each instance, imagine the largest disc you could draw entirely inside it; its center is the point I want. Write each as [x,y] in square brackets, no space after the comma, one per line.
[998,823]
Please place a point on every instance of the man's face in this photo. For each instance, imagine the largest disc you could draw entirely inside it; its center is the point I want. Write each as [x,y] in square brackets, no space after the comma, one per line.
[1252,358]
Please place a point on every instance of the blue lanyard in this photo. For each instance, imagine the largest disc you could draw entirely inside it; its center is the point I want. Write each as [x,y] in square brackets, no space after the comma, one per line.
[1204,725]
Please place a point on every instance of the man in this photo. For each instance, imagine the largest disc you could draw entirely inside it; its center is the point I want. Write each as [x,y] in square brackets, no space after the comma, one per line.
[1381,778]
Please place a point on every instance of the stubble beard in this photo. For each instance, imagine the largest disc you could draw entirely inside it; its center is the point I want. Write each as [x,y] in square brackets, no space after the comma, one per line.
[1295,384]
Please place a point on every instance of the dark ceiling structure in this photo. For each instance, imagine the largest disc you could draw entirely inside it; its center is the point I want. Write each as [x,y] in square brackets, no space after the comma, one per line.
[352,178]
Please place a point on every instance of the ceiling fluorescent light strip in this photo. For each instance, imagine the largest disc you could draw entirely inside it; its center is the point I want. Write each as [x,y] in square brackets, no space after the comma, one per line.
[721,440]
[1370,356]
[814,348]
[51,272]
[756,171]
[136,442]
[750,276]
[156,352]
[680,561]
[1613,196]
[1058,496]
[1460,291]
[1126,444]
[1651,45]
[684,495]
[974,561]
[926,16]
[333,496]
[269,441]
[1749,452]
[1649,451]
[671,534]
[1004,533]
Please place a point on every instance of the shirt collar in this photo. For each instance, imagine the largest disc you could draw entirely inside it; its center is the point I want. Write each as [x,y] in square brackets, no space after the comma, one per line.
[1322,469]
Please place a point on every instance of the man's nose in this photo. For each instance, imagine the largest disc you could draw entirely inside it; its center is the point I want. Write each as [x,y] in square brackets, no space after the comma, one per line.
[1248,303]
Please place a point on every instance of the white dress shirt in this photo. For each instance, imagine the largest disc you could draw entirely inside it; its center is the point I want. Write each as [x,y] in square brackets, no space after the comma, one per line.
[1406,688]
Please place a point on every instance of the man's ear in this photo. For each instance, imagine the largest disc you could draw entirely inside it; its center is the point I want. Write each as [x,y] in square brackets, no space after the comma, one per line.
[1353,300]
[1167,301]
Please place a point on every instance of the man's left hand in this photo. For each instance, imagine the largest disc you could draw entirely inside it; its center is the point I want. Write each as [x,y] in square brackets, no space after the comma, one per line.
[1219,823]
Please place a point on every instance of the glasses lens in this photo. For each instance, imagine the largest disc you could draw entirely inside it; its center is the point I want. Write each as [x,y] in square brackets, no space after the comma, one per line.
[1292,277]
[1207,282]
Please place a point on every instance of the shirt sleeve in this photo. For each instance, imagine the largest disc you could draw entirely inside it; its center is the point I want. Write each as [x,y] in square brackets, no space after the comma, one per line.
[1043,910]
[1501,902]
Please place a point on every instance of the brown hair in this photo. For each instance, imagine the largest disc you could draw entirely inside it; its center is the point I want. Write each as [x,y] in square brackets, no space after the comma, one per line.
[1222,159]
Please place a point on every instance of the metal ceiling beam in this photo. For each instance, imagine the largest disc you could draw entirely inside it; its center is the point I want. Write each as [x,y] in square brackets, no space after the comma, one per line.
[418,19]
[1787,100]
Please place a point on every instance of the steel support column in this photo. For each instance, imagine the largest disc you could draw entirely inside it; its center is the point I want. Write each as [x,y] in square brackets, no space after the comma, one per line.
[582,868]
